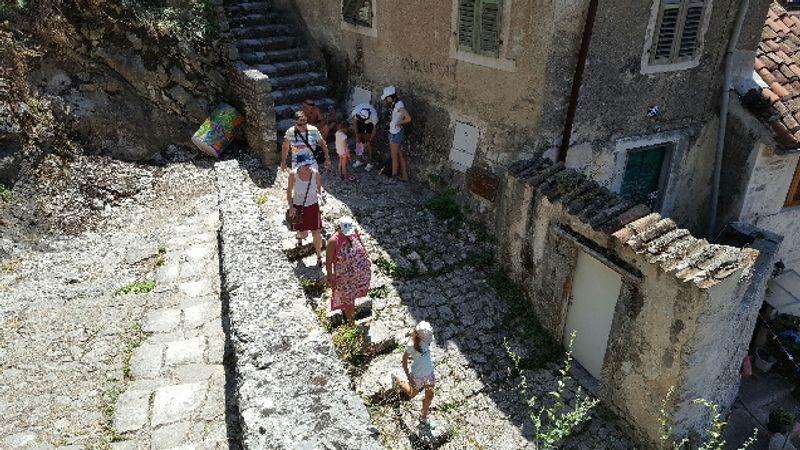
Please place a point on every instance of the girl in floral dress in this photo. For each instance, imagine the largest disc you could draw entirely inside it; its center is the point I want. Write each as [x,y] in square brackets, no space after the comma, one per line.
[348,267]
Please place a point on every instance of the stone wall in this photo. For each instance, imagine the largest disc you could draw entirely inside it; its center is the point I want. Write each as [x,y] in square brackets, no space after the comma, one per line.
[679,294]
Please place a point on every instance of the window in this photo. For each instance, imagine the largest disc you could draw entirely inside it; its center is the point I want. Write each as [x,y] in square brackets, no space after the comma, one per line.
[678,31]
[358,12]
[479,23]
[645,173]
[793,198]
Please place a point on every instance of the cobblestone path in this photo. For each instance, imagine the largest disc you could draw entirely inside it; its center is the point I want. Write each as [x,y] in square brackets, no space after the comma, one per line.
[435,270]
[113,339]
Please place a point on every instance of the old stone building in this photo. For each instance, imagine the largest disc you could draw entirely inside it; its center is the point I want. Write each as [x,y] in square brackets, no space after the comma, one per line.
[762,153]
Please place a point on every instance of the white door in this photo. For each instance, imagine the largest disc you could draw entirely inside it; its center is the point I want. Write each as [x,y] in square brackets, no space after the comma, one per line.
[595,289]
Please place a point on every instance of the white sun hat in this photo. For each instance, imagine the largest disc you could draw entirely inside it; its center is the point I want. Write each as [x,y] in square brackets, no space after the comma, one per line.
[346,225]
[424,331]
[387,91]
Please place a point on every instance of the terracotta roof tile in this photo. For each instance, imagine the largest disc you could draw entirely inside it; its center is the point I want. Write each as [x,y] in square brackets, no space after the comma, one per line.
[778,64]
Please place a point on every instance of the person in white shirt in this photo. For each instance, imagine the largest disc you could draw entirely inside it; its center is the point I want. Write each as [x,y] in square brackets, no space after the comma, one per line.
[365,122]
[400,117]
[420,376]
[343,151]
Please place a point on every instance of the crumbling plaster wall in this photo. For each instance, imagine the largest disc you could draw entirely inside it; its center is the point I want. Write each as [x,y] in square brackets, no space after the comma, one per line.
[522,104]
[616,97]
[681,294]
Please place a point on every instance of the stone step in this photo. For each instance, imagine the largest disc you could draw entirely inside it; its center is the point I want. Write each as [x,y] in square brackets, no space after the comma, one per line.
[296,80]
[290,96]
[256,58]
[248,7]
[287,67]
[272,17]
[363,310]
[266,44]
[258,31]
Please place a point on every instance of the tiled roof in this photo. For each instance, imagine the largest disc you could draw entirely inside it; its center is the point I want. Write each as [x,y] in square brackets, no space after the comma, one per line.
[778,64]
[657,239]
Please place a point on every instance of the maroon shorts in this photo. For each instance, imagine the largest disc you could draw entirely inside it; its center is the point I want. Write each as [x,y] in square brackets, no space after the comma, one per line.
[311,219]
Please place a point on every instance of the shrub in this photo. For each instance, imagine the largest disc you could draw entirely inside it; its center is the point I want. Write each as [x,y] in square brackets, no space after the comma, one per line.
[349,341]
[779,421]
[137,287]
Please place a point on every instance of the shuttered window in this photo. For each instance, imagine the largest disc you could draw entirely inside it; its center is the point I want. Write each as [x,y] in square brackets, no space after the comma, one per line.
[644,175]
[678,31]
[479,26]
[357,12]
[793,198]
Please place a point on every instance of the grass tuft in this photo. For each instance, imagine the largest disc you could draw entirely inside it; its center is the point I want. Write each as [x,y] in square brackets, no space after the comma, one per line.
[137,287]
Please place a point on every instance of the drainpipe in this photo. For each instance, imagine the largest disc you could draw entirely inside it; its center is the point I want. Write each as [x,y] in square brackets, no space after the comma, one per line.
[577,80]
[723,115]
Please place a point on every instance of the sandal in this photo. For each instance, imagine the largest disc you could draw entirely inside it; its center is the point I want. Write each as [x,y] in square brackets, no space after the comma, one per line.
[299,242]
[319,261]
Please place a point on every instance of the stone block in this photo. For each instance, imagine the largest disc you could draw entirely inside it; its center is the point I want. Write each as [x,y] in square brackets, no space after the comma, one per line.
[170,436]
[162,320]
[168,273]
[379,338]
[187,351]
[127,445]
[196,288]
[197,315]
[196,372]
[199,252]
[146,361]
[176,403]
[20,440]
[131,411]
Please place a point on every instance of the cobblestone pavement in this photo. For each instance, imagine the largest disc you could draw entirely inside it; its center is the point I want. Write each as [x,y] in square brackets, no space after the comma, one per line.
[439,280]
[85,365]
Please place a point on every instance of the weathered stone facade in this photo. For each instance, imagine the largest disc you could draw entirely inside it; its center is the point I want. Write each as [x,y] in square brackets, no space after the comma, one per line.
[681,298]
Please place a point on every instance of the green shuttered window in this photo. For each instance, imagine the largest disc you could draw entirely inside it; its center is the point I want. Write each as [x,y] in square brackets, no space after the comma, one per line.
[678,31]
[479,26]
[644,175]
[357,12]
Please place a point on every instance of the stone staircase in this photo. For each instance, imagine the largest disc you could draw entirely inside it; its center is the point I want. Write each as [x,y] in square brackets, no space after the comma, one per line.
[271,41]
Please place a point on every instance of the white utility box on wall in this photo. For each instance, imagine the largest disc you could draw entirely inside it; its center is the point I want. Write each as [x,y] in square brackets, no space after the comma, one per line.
[465,143]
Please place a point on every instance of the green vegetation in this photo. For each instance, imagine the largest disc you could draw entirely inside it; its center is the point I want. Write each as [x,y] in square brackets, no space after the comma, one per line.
[519,316]
[390,267]
[161,255]
[5,194]
[9,11]
[480,259]
[137,339]
[554,422]
[312,287]
[261,199]
[137,287]
[196,19]
[445,207]
[9,265]
[349,341]
[714,435]
[779,421]
[322,317]
[379,292]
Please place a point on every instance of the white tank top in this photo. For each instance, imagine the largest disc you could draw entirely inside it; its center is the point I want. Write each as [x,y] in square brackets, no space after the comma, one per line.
[300,187]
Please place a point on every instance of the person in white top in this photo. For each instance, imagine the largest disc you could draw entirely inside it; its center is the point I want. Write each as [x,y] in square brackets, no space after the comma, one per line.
[365,122]
[400,117]
[343,151]
[420,376]
[302,197]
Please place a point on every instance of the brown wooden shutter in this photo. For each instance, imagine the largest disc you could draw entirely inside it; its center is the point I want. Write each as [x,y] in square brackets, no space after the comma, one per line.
[466,24]
[690,33]
[793,197]
[489,38]
[668,23]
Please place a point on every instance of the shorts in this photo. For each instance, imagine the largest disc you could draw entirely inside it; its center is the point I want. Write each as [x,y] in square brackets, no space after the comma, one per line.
[364,128]
[396,138]
[344,153]
[420,382]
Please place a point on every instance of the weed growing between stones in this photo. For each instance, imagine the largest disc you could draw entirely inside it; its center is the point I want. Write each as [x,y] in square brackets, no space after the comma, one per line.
[519,315]
[312,287]
[5,194]
[322,317]
[9,265]
[378,292]
[481,259]
[196,21]
[349,341]
[137,287]
[554,422]
[713,440]
[445,207]
[160,256]
[390,267]
[261,199]
[137,339]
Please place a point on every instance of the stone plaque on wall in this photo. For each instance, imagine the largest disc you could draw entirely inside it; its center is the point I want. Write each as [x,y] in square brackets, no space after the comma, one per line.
[483,184]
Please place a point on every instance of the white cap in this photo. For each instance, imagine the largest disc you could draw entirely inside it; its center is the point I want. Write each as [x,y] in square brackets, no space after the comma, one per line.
[424,331]
[346,225]
[387,91]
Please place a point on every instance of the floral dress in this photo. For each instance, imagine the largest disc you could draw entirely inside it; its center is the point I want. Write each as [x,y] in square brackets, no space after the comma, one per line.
[352,270]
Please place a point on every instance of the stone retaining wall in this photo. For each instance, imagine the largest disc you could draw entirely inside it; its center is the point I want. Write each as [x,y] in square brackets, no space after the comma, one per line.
[292,389]
[682,307]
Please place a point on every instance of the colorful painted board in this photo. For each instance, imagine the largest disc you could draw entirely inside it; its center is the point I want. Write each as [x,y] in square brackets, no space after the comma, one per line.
[218,130]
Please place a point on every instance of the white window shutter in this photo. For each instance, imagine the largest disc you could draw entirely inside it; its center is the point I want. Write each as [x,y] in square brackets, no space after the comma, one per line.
[667,30]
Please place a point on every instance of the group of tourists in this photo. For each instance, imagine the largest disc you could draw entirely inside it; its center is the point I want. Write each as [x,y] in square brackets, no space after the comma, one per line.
[347,263]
